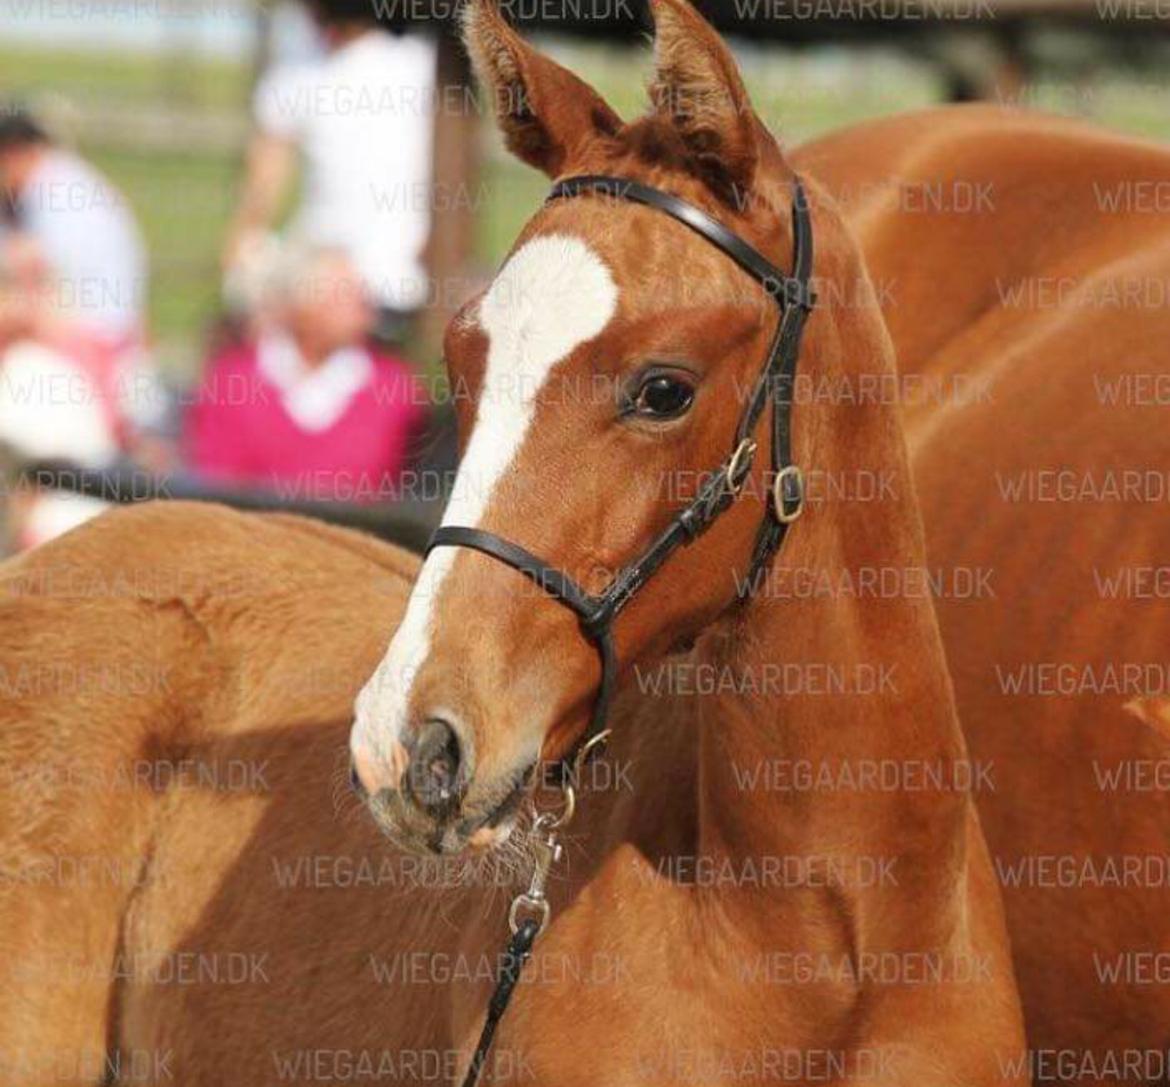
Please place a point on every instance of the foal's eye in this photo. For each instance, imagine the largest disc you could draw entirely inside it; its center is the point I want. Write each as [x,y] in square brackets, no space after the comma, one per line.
[662,396]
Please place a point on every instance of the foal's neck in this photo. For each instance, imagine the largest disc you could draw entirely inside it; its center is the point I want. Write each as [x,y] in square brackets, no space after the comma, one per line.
[825,704]
[822,717]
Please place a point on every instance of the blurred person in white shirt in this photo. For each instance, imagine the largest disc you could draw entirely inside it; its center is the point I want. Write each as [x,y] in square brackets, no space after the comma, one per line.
[72,249]
[50,411]
[95,261]
[360,121]
[76,384]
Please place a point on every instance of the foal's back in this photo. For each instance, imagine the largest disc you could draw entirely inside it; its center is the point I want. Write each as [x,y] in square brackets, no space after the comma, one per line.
[1023,264]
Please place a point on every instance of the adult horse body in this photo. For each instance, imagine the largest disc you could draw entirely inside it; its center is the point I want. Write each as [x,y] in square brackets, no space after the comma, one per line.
[672,906]
[1043,462]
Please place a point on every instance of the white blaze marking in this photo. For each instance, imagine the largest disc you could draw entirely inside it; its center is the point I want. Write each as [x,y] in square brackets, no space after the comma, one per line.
[552,295]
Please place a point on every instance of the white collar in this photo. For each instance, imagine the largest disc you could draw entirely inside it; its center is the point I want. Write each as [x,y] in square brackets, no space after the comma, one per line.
[315,396]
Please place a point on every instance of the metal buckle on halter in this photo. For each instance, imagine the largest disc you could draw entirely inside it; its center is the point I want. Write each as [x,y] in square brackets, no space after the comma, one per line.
[789,479]
[739,465]
[796,293]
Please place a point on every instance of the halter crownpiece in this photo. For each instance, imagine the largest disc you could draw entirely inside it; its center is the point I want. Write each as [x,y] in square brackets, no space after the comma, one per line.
[794,296]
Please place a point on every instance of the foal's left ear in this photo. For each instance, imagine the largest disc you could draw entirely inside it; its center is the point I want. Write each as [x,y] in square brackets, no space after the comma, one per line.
[697,86]
[548,116]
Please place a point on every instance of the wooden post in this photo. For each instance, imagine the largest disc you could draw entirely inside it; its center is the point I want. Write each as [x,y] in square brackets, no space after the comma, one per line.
[456,183]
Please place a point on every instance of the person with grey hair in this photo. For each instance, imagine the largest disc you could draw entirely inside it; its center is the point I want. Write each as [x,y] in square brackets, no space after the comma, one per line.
[306,407]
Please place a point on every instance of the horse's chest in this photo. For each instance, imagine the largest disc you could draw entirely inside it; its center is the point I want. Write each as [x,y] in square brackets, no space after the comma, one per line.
[628,987]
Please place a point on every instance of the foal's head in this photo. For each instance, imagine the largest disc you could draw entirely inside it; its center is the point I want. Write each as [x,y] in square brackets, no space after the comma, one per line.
[606,368]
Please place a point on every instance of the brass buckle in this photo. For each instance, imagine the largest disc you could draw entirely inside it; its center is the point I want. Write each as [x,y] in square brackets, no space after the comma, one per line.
[561,819]
[789,471]
[741,460]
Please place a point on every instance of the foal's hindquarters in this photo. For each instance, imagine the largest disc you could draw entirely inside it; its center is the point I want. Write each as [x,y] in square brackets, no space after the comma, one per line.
[188,895]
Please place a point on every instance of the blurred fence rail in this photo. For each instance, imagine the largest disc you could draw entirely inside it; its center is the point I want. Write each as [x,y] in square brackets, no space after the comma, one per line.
[407,523]
[145,127]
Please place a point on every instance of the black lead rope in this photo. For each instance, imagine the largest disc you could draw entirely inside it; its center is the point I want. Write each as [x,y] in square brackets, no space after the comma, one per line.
[794,296]
[516,954]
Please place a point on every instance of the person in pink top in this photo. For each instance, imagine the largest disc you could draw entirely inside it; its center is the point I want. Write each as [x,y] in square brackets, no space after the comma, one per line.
[305,408]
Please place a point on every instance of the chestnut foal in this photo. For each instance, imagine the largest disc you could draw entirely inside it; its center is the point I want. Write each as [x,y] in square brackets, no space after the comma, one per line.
[751,899]
[711,863]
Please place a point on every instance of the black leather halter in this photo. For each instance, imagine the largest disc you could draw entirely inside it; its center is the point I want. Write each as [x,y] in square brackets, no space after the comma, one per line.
[793,295]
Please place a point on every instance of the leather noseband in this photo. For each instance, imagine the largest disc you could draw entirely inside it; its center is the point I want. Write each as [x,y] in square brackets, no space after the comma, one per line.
[793,295]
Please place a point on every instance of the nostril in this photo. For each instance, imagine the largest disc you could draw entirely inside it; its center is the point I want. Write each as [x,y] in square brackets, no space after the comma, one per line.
[355,782]
[433,776]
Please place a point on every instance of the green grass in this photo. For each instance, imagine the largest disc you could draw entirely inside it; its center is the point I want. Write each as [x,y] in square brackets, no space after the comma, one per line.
[165,78]
[183,203]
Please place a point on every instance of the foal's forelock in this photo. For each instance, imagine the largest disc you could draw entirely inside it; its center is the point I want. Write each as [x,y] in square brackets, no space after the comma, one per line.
[554,294]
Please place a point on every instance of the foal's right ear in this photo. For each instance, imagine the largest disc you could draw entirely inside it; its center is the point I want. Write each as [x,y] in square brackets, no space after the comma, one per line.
[548,115]
[698,88]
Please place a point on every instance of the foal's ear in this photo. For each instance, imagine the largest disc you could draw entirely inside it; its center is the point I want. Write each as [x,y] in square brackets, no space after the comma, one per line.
[546,113]
[697,86]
